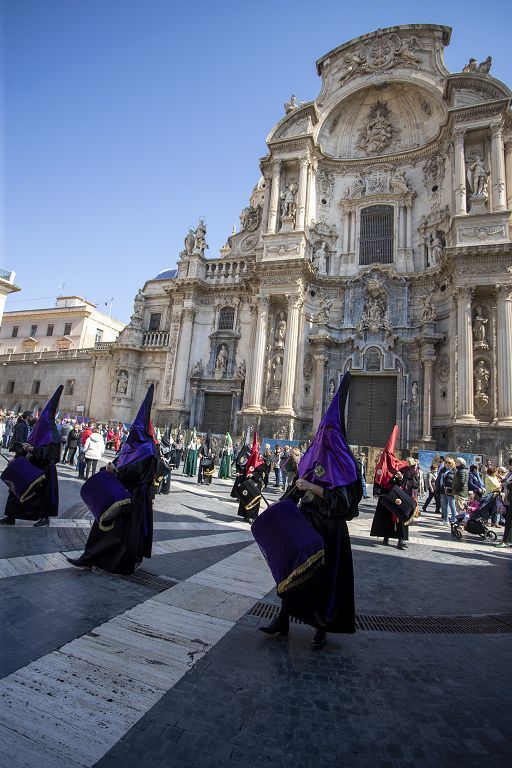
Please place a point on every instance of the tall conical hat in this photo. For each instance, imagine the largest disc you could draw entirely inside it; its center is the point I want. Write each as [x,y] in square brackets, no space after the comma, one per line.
[329,462]
[388,464]
[139,443]
[45,430]
[254,461]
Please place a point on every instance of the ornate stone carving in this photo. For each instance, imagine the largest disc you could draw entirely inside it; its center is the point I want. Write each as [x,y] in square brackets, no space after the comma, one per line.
[375,312]
[122,379]
[242,369]
[399,184]
[480,329]
[379,132]
[434,170]
[332,388]
[138,306]
[443,368]
[320,258]
[289,106]
[414,393]
[428,311]
[283,248]
[380,54]
[250,218]
[482,233]
[248,243]
[197,369]
[289,204]
[481,376]
[324,310]
[309,366]
[325,185]
[483,68]
[357,189]
[322,230]
[280,331]
[425,105]
[221,362]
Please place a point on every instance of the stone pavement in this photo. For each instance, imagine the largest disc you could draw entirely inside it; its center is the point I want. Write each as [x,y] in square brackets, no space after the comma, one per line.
[167,668]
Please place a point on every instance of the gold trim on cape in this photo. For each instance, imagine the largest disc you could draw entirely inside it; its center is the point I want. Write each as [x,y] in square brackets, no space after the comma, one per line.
[29,492]
[292,580]
[106,516]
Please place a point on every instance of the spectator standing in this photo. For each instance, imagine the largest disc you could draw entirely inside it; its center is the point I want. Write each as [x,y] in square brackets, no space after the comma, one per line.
[285,455]
[20,432]
[72,445]
[94,448]
[276,458]
[475,483]
[362,465]
[460,483]
[65,429]
[444,483]
[179,450]
[430,487]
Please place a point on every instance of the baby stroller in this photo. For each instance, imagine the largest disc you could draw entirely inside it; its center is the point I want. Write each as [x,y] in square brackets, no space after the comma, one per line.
[475,525]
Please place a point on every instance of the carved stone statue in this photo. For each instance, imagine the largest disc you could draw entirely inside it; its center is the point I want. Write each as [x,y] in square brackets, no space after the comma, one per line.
[280,332]
[477,175]
[277,372]
[288,204]
[379,132]
[324,310]
[332,386]
[320,258]
[357,189]
[197,370]
[428,313]
[485,66]
[250,218]
[482,376]
[122,383]
[189,242]
[398,183]
[375,315]
[289,106]
[221,363]
[200,244]
[138,304]
[470,66]
[242,370]
[414,393]
[437,249]
[479,330]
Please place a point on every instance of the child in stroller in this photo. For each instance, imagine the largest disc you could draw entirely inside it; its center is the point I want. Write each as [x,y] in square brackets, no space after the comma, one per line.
[473,519]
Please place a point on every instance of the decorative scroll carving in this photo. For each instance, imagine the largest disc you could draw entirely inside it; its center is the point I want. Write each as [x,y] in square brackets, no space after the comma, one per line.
[443,368]
[380,54]
[250,218]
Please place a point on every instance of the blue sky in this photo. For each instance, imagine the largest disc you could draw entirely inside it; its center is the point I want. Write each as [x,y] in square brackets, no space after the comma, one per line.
[126,120]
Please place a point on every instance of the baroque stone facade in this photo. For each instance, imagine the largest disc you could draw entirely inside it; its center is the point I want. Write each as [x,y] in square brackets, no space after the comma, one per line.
[377,240]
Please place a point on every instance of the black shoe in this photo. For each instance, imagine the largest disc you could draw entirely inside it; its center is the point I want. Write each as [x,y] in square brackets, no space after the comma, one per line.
[385,541]
[278,626]
[78,562]
[319,640]
[40,523]
[8,521]
[401,544]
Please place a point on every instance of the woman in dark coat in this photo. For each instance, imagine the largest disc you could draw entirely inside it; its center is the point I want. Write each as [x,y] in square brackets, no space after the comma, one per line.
[123,548]
[42,449]
[329,499]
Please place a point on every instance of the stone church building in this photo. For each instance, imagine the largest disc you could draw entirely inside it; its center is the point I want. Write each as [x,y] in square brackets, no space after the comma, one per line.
[377,240]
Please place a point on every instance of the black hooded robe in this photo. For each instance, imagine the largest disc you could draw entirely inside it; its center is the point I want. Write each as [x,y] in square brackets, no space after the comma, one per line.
[124,547]
[45,502]
[382,523]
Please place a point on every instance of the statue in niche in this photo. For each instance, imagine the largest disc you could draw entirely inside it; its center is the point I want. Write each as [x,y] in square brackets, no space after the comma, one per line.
[242,370]
[200,244]
[288,204]
[379,131]
[324,310]
[320,258]
[480,329]
[138,304]
[332,386]
[477,175]
[482,376]
[436,249]
[414,393]
[221,363]
[189,242]
[122,383]
[428,313]
[277,372]
[197,370]
[374,316]
[280,332]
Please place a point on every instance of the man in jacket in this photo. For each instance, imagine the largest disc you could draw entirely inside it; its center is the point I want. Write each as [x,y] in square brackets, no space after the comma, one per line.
[460,483]
[20,432]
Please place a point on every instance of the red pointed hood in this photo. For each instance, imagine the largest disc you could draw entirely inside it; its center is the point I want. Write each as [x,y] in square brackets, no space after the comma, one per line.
[388,464]
[254,461]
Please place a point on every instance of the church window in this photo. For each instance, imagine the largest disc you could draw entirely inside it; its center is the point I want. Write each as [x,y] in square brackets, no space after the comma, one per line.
[154,321]
[226,319]
[376,235]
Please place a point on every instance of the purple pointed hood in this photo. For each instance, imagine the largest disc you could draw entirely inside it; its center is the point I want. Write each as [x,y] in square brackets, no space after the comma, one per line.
[329,462]
[139,443]
[45,431]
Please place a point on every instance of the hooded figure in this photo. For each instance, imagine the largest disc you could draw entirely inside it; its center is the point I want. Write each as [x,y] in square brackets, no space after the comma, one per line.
[122,547]
[166,463]
[388,473]
[42,449]
[330,486]
[249,466]
[225,458]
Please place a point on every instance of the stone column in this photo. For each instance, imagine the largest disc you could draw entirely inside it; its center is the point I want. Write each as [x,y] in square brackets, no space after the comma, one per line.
[408,226]
[508,172]
[504,356]
[266,201]
[320,362]
[249,381]
[464,355]
[274,197]
[401,240]
[180,383]
[352,231]
[311,210]
[459,171]
[499,199]
[428,364]
[301,194]
[258,363]
[290,355]
[346,223]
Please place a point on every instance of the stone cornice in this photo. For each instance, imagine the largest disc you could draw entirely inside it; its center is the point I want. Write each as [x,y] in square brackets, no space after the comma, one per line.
[486,110]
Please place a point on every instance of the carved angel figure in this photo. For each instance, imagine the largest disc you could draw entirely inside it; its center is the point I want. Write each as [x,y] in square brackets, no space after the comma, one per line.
[470,66]
[428,312]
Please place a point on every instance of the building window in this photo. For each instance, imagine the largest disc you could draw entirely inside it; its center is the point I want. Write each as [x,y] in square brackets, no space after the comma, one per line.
[226,319]
[376,235]
[15,330]
[10,388]
[33,330]
[36,385]
[49,330]
[99,335]
[67,329]
[154,321]
[69,387]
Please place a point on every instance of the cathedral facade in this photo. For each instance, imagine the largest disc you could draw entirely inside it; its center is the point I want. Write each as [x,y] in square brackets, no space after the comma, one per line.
[377,241]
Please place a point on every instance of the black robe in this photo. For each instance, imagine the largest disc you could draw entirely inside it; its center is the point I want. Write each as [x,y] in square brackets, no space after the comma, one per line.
[326,599]
[124,547]
[383,525]
[257,477]
[45,502]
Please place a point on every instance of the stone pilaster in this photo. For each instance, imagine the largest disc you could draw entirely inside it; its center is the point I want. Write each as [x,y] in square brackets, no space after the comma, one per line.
[320,363]
[170,365]
[301,194]
[274,197]
[508,171]
[180,383]
[504,356]
[499,199]
[465,405]
[459,171]
[290,355]
[428,364]
[311,211]
[258,364]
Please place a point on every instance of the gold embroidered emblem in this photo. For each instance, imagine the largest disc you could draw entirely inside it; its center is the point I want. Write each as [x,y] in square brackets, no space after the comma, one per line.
[319,470]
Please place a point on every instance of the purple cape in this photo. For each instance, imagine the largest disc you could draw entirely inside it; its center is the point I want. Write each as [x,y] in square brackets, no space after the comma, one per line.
[45,430]
[329,462]
[139,443]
